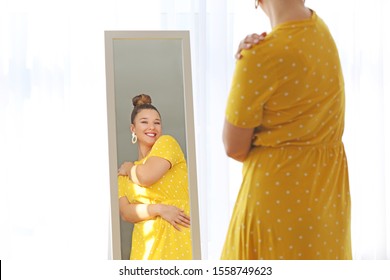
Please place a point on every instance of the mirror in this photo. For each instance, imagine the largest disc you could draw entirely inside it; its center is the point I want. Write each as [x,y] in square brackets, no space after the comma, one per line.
[157,63]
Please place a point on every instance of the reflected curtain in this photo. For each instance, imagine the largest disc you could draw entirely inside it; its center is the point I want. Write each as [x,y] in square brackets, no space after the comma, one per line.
[54,196]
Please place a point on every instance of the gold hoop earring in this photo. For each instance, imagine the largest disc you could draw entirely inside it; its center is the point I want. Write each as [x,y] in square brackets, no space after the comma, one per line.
[134,138]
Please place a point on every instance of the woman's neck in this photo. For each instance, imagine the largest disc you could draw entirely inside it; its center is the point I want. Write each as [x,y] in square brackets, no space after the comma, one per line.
[143,151]
[283,11]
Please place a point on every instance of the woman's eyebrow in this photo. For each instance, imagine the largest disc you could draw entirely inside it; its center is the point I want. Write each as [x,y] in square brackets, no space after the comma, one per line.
[148,119]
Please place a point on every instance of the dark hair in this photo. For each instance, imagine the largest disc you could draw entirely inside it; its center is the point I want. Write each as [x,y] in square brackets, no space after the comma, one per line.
[141,102]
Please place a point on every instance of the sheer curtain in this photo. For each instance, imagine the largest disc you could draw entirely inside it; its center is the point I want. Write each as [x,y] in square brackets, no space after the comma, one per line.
[53,144]
[359,32]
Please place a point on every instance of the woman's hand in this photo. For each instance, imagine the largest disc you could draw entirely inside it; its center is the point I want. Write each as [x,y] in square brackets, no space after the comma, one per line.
[125,168]
[248,42]
[173,215]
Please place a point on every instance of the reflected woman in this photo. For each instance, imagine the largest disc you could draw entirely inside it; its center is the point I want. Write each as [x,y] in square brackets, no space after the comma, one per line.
[153,191]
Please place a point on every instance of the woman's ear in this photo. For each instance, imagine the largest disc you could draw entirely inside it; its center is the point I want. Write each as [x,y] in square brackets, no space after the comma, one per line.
[261,4]
[132,128]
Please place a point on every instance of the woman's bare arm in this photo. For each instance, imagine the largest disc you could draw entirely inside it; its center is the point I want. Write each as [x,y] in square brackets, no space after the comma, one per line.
[237,141]
[151,171]
[134,213]
[145,174]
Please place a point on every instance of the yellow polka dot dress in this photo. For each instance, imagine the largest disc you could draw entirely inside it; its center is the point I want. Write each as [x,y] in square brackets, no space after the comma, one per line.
[157,239]
[294,201]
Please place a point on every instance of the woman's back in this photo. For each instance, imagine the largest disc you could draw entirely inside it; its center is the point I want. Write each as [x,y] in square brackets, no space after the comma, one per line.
[294,202]
[297,83]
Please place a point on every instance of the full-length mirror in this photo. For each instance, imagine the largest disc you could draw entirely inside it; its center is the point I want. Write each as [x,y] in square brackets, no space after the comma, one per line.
[155,192]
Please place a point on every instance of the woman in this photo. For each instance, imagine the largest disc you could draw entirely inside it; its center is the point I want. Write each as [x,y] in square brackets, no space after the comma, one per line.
[153,191]
[285,121]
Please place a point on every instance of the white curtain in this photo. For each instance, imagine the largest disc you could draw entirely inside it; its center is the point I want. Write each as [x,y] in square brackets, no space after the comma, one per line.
[359,32]
[54,196]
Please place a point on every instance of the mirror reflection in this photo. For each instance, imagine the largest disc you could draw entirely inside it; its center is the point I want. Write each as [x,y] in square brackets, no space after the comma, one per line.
[149,101]
[153,190]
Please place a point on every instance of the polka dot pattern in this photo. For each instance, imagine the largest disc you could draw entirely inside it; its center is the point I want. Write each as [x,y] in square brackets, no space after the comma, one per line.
[294,201]
[157,239]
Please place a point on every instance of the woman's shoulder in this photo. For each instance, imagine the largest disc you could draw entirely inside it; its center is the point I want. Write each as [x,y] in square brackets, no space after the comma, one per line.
[167,147]
[254,57]
[166,138]
[167,142]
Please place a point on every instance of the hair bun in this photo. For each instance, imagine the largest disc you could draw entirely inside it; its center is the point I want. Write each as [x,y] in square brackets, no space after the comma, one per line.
[142,99]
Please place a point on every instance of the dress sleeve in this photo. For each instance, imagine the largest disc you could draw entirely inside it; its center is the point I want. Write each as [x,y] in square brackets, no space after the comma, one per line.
[251,87]
[122,185]
[167,148]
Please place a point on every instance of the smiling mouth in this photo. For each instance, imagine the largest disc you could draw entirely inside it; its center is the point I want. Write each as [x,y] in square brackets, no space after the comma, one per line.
[151,134]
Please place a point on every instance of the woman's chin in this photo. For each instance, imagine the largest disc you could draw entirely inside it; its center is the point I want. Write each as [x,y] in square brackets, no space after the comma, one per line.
[149,141]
